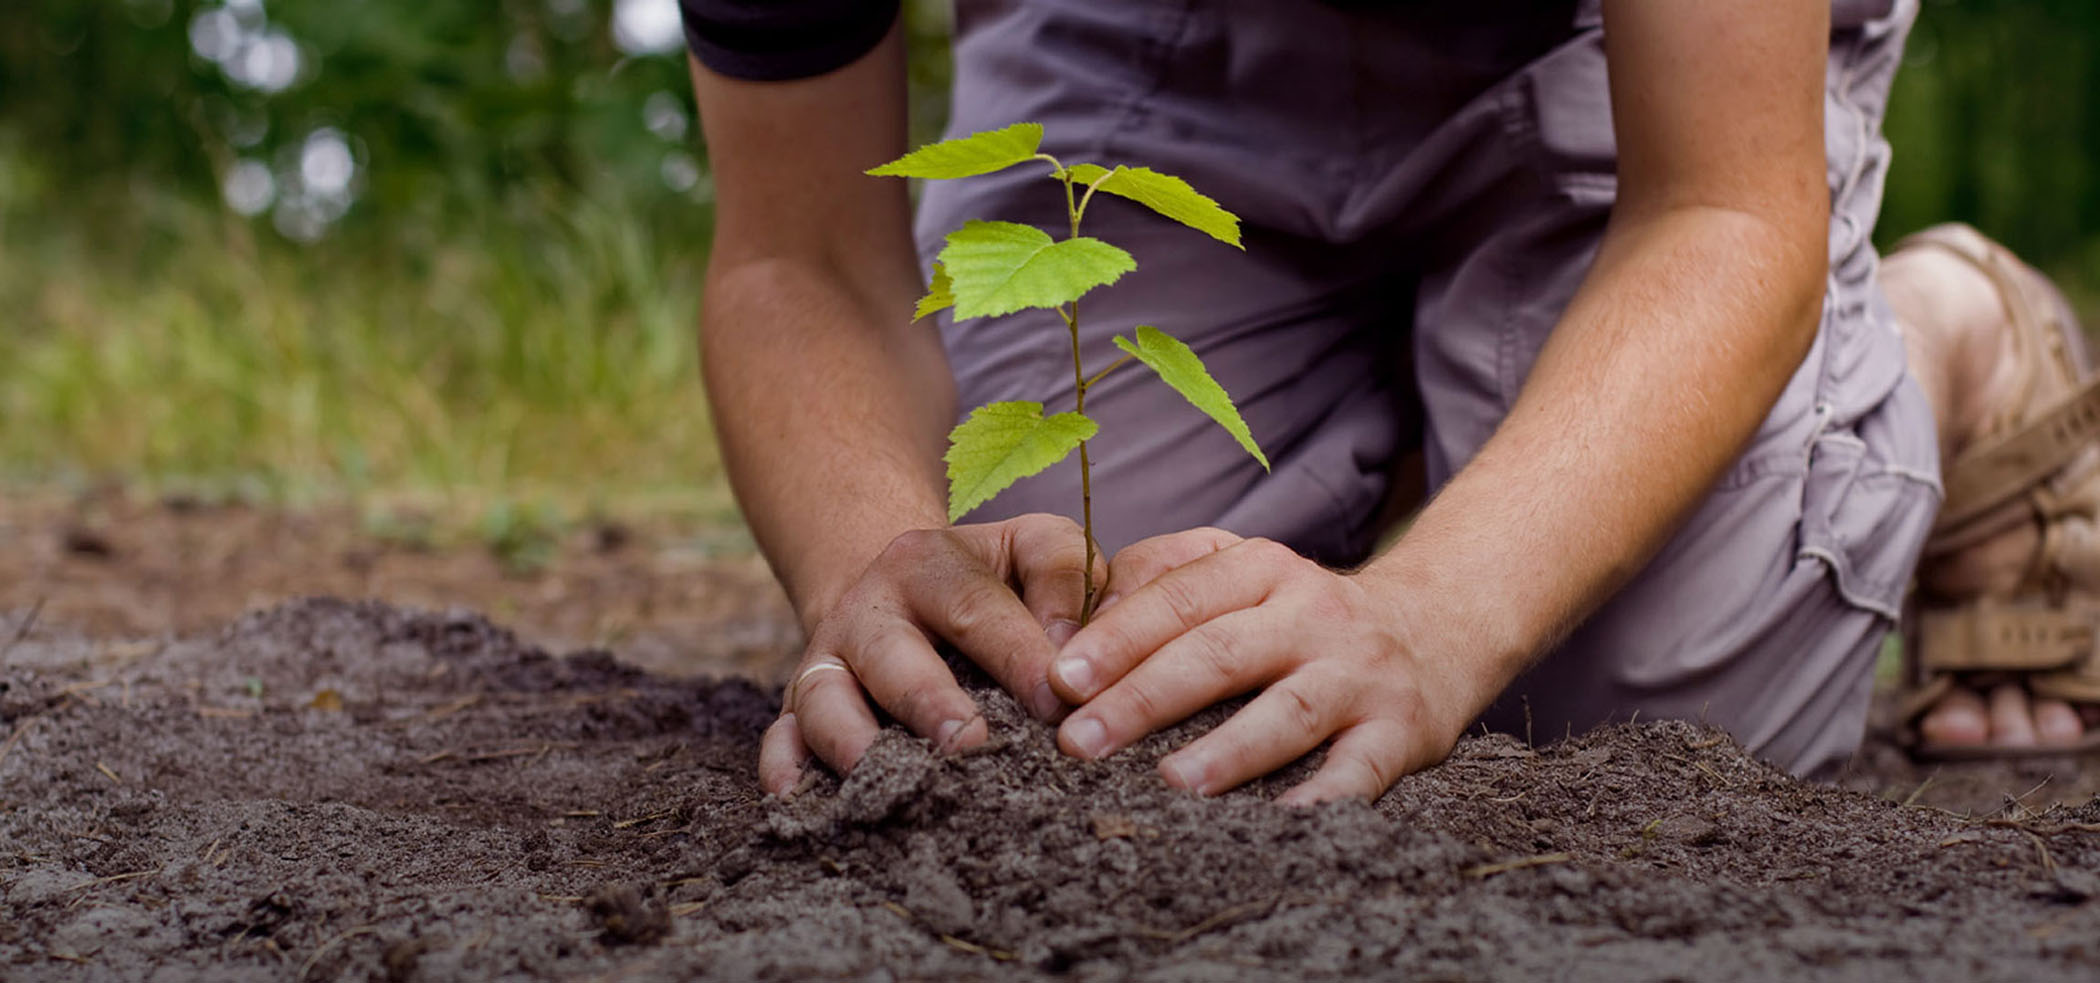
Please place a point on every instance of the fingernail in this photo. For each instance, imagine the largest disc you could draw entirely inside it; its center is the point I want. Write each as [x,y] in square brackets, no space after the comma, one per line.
[944,739]
[1107,599]
[1077,675]
[1187,773]
[1061,631]
[1087,735]
[1044,701]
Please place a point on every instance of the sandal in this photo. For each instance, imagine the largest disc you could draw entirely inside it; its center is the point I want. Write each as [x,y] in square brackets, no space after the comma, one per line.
[2036,460]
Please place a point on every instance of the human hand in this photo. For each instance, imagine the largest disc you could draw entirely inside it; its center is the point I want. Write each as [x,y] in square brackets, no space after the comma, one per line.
[1203,615]
[956,585]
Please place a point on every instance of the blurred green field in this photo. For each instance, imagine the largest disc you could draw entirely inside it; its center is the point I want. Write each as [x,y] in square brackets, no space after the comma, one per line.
[452,256]
[551,358]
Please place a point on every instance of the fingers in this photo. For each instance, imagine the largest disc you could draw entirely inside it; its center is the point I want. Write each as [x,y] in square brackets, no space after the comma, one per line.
[1144,561]
[1169,606]
[949,584]
[961,596]
[903,675]
[781,757]
[1282,724]
[1364,761]
[831,718]
[1218,659]
[1049,560]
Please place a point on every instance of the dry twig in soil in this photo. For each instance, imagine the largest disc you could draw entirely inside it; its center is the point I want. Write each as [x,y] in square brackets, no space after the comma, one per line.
[22,630]
[1485,871]
[316,957]
[20,729]
[1230,916]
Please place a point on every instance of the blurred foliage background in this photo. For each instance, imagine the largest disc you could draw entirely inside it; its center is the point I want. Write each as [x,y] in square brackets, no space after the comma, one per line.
[1995,121]
[449,250]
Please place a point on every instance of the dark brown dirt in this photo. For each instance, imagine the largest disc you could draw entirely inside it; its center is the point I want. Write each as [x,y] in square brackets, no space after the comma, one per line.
[350,791]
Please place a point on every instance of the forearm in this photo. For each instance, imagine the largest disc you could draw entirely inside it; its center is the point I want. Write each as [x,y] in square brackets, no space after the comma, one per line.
[831,414]
[1663,366]
[829,403]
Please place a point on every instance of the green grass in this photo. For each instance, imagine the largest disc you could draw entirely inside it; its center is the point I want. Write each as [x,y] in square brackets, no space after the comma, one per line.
[546,358]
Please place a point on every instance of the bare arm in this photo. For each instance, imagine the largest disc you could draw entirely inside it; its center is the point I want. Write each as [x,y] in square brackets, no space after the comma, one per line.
[1701,304]
[833,409]
[831,406]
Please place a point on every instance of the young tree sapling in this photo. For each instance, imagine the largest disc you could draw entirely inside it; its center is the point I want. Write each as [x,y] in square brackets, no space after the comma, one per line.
[991,269]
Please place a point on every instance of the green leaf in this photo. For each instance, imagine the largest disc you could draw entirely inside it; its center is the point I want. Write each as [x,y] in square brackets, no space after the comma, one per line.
[978,153]
[1001,267]
[938,294]
[1087,173]
[1172,197]
[1001,443]
[1179,367]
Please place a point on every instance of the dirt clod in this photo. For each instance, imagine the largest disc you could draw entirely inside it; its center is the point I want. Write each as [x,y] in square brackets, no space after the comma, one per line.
[627,917]
[482,809]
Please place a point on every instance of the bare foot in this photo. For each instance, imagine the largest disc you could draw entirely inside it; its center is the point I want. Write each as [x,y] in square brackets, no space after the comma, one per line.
[2007,719]
[1963,354]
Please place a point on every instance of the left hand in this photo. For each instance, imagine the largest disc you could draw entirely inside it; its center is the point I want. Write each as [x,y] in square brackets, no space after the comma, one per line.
[1203,615]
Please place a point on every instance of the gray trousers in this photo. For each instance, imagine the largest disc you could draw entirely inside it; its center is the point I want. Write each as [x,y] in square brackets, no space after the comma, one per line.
[1423,188]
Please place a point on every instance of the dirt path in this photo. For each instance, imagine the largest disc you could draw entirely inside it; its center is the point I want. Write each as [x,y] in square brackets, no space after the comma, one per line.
[348,791]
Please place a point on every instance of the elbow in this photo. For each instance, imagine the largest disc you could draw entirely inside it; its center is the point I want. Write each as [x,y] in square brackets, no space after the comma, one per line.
[1803,259]
[1785,247]
[1789,250]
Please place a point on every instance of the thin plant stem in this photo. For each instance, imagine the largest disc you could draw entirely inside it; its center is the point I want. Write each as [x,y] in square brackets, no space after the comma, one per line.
[1086,464]
[1086,476]
[1092,380]
[1080,212]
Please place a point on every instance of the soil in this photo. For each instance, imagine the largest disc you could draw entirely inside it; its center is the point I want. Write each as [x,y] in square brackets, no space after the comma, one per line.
[680,597]
[338,790]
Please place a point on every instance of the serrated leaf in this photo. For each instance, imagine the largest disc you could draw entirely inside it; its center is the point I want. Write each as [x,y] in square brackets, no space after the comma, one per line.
[938,294]
[1087,173]
[1179,367]
[1172,197]
[1001,267]
[978,153]
[1001,443]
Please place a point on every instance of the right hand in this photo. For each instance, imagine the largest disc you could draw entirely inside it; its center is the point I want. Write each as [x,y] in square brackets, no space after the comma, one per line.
[1004,594]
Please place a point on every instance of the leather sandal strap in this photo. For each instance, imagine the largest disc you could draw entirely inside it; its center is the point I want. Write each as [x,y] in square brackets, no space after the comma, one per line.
[2066,687]
[2077,684]
[1996,471]
[1987,637]
[1926,696]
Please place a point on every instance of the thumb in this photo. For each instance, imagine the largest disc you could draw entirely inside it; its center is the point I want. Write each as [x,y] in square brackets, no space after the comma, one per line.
[1049,558]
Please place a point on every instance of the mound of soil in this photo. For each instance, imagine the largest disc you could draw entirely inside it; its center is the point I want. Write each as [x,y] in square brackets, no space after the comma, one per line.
[674,596]
[350,791]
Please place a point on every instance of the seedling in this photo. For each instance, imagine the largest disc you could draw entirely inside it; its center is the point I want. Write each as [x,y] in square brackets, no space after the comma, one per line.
[991,269]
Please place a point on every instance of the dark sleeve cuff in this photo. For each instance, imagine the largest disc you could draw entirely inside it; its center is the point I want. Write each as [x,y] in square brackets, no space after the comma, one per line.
[776,40]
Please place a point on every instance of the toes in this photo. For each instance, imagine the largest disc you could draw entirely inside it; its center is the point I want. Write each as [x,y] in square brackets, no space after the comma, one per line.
[1959,719]
[2012,720]
[2056,724]
[2006,717]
